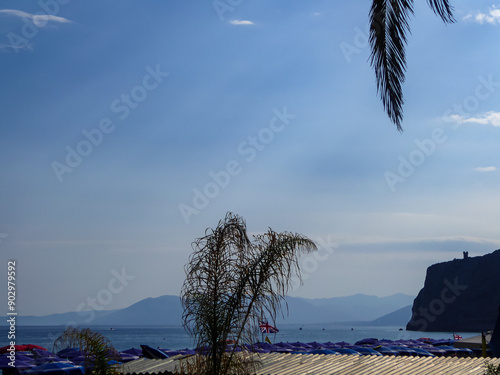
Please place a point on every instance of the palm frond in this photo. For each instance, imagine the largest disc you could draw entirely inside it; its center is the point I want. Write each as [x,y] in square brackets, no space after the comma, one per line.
[443,9]
[388,29]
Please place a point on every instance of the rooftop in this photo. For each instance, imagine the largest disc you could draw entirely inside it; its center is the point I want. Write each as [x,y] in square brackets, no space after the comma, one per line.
[281,363]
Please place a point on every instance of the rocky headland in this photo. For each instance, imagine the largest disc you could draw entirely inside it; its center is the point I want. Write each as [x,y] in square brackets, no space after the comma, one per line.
[462,295]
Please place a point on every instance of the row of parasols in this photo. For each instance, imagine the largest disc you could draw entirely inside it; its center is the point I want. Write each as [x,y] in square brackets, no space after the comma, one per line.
[33,359]
[423,347]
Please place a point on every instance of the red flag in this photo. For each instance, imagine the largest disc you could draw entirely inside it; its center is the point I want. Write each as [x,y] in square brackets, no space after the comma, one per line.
[457,337]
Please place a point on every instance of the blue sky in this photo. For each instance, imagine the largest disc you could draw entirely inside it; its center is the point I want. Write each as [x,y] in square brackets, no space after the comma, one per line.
[129,127]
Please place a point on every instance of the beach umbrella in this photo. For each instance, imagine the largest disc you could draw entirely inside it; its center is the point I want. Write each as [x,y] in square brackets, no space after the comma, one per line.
[329,344]
[152,353]
[80,360]
[282,345]
[264,345]
[370,341]
[365,350]
[56,368]
[33,346]
[342,343]
[73,353]
[346,351]
[44,354]
[315,344]
[18,357]
[133,351]
[386,351]
[5,363]
[404,350]
[64,352]
[17,348]
[125,357]
[423,353]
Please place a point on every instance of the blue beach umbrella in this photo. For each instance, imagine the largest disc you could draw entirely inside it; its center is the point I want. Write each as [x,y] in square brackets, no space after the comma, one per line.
[18,357]
[365,350]
[38,353]
[342,343]
[346,351]
[370,341]
[299,344]
[423,352]
[56,368]
[152,353]
[315,345]
[126,357]
[386,351]
[133,351]
[5,363]
[69,352]
[330,344]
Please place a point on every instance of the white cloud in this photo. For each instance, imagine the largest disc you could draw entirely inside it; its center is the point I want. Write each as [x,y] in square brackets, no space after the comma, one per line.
[492,17]
[241,22]
[39,20]
[488,118]
[485,169]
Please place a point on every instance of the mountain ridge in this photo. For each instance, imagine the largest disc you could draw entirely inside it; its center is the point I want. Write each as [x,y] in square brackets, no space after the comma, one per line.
[167,310]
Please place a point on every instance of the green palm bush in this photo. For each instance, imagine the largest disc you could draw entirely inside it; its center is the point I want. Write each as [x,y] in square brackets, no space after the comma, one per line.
[230,283]
[97,349]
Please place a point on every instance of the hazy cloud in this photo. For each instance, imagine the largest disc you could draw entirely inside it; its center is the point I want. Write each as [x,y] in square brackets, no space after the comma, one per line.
[485,169]
[492,17]
[437,244]
[241,22]
[488,118]
[39,20]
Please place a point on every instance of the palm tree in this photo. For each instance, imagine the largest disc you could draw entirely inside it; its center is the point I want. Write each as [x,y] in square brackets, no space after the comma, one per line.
[388,29]
[230,282]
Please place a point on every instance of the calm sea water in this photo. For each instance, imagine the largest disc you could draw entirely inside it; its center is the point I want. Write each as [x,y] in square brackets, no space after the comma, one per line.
[173,337]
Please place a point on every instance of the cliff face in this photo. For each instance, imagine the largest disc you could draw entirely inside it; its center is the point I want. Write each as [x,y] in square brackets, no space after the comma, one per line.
[462,295]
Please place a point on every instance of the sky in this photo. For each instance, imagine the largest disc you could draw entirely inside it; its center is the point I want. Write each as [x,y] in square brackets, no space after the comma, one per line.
[127,128]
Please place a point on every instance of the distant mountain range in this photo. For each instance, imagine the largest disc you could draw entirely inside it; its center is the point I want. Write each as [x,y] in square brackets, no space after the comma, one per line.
[394,310]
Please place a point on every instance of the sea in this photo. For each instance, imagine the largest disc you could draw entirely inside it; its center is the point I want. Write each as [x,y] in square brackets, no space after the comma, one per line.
[175,337]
